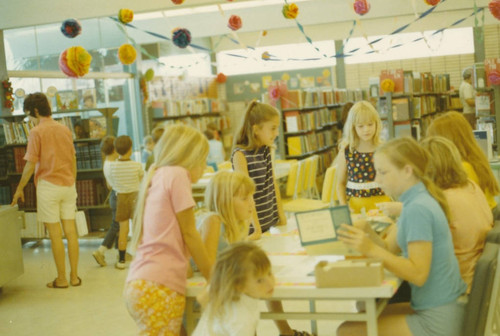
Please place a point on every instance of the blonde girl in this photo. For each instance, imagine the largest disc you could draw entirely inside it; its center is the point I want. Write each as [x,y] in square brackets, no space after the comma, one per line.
[355,172]
[252,156]
[419,249]
[453,126]
[242,275]
[470,215]
[164,231]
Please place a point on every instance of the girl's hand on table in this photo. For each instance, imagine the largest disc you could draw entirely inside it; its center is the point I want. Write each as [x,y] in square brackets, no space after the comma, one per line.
[391,209]
[356,238]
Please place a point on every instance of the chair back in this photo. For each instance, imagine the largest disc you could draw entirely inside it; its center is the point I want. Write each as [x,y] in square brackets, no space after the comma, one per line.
[291,181]
[312,187]
[226,165]
[480,297]
[493,235]
[326,192]
[301,178]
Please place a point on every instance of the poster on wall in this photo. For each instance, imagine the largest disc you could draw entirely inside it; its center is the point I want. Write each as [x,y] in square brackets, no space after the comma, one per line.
[307,82]
[238,88]
[266,81]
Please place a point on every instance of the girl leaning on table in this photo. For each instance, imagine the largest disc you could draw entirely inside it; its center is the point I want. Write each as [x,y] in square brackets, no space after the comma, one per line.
[427,260]
[242,275]
[355,172]
[164,231]
[252,156]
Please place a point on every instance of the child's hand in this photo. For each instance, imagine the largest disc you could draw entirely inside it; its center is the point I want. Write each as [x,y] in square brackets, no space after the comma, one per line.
[282,219]
[255,235]
[356,238]
[391,209]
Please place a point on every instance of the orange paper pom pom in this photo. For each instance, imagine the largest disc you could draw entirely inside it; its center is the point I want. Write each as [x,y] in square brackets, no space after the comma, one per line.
[234,22]
[387,85]
[125,15]
[290,11]
[432,2]
[127,54]
[221,78]
[494,7]
[75,61]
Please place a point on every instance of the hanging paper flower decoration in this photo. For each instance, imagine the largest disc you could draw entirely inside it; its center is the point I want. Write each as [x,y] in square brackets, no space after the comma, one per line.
[494,77]
[432,2]
[494,7]
[266,56]
[149,75]
[290,11]
[234,22]
[8,97]
[274,93]
[75,61]
[177,2]
[127,54]
[144,90]
[361,7]
[387,85]
[221,78]
[181,37]
[264,32]
[125,15]
[71,28]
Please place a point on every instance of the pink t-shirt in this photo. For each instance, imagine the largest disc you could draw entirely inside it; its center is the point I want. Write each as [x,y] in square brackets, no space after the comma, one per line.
[162,256]
[471,219]
[50,146]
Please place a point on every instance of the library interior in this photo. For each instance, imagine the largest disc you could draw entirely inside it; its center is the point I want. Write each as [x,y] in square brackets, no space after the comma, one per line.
[123,69]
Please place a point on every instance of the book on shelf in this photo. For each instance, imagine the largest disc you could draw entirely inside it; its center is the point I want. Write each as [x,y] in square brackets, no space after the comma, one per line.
[5,195]
[442,83]
[91,192]
[427,82]
[16,132]
[292,99]
[294,144]
[408,81]
[97,127]
[292,121]
[400,109]
[67,100]
[88,155]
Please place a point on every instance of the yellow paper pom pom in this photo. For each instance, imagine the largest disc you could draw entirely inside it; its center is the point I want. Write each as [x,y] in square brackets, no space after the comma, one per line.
[290,11]
[125,15]
[78,60]
[127,54]
[387,85]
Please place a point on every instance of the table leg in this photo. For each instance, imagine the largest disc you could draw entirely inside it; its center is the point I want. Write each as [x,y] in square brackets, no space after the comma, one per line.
[314,323]
[190,319]
[371,316]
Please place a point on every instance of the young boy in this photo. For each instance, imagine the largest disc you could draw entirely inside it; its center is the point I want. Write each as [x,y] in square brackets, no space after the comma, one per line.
[124,177]
[110,155]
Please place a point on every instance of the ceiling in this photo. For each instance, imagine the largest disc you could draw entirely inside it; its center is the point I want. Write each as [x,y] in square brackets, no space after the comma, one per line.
[322,19]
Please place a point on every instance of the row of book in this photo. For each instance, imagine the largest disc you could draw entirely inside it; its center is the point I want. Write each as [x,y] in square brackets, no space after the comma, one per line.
[314,97]
[15,159]
[173,108]
[5,195]
[303,144]
[222,122]
[88,155]
[16,132]
[415,107]
[416,82]
[296,121]
[91,192]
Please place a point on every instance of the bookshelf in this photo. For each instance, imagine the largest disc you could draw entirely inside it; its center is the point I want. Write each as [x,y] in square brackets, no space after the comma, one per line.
[90,183]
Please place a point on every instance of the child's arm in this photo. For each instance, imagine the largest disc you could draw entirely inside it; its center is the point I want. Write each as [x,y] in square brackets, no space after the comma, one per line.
[341,177]
[210,234]
[281,212]
[193,241]
[240,164]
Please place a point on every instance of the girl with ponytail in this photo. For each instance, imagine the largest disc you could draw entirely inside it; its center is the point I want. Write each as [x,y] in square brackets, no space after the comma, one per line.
[419,249]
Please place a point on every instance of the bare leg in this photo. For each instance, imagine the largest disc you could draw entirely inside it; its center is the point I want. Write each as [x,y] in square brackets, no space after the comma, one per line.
[69,228]
[55,234]
[282,325]
[122,236]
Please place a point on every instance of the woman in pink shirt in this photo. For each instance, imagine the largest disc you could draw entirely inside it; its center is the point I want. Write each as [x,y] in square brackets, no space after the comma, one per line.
[164,233]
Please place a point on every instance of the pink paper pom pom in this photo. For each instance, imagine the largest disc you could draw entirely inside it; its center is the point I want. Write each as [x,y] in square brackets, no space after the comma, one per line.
[361,7]
[432,2]
[234,22]
[494,7]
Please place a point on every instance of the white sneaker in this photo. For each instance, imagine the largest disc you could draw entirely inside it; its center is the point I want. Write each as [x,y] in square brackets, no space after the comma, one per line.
[120,265]
[99,257]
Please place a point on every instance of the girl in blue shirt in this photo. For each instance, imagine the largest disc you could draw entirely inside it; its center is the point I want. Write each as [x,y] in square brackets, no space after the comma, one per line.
[419,249]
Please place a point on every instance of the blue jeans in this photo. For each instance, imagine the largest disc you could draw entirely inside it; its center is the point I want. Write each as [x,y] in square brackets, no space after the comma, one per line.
[112,234]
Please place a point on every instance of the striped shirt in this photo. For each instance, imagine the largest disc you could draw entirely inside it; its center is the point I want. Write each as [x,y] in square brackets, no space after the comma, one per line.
[125,176]
[260,169]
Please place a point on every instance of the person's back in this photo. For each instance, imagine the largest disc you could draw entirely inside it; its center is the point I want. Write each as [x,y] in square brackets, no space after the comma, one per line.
[125,175]
[216,151]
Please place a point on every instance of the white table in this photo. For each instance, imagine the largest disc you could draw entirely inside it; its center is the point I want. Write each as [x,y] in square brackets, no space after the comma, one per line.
[293,282]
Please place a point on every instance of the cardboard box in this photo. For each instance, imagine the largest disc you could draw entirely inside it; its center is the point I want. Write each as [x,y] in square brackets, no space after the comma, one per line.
[349,273]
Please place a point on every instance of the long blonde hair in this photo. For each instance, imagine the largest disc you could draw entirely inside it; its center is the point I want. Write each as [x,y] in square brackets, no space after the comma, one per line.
[180,145]
[360,112]
[445,167]
[256,114]
[453,126]
[229,276]
[219,198]
[406,151]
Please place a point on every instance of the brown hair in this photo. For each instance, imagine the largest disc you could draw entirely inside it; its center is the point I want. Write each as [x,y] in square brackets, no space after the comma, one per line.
[453,126]
[108,145]
[123,144]
[256,114]
[39,102]
[157,132]
[209,134]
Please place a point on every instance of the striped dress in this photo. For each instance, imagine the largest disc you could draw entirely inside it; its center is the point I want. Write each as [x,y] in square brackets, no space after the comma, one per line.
[260,169]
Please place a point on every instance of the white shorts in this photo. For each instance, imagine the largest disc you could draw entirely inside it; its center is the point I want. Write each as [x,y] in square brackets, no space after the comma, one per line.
[55,202]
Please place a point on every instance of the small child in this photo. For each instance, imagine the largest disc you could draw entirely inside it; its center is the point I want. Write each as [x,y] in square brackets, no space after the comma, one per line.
[252,156]
[110,155]
[355,171]
[165,233]
[124,176]
[242,275]
[149,145]
[156,134]
[216,152]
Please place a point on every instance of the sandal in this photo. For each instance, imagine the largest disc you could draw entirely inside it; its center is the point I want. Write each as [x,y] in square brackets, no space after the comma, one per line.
[54,284]
[79,283]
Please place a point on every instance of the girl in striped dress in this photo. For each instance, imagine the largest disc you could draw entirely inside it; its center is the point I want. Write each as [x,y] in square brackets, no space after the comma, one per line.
[252,156]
